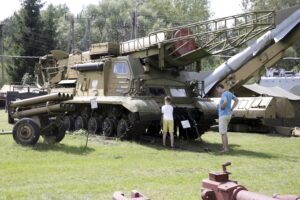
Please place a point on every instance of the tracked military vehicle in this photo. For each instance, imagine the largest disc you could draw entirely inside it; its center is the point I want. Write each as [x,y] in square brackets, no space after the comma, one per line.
[128,98]
[117,89]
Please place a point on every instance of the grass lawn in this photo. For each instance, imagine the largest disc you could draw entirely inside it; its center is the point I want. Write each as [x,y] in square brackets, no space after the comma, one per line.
[263,163]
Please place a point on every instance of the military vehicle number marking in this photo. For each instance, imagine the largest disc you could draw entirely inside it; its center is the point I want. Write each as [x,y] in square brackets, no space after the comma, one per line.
[120,90]
[94,84]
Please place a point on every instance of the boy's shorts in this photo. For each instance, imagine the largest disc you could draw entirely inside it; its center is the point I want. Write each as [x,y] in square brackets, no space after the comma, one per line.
[168,126]
[223,123]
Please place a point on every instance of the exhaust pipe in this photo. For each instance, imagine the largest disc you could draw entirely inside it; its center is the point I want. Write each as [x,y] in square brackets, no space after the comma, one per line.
[97,66]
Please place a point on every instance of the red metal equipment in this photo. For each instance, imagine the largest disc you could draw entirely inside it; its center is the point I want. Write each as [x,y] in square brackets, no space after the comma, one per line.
[219,187]
[184,46]
[135,195]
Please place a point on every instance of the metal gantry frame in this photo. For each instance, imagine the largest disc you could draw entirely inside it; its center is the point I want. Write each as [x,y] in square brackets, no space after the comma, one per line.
[212,36]
[219,35]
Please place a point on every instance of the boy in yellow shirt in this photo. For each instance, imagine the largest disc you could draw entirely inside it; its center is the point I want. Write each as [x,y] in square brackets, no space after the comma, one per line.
[168,121]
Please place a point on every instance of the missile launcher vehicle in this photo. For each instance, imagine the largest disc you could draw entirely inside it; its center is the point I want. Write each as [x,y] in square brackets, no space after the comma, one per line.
[118,89]
[262,109]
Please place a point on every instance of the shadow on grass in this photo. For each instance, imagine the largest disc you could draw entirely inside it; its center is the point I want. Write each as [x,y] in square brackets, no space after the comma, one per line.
[234,151]
[205,147]
[77,150]
[264,134]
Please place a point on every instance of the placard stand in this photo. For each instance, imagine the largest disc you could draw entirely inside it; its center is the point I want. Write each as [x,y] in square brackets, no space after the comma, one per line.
[186,125]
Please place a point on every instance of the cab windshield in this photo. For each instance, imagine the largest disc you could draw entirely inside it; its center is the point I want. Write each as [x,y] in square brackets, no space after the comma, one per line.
[158,92]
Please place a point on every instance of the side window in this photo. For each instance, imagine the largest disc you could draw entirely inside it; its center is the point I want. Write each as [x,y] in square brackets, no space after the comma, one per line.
[158,92]
[120,68]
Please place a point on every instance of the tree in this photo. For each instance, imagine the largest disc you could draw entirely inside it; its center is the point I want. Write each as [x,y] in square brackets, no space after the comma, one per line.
[112,19]
[49,27]
[50,32]
[32,32]
[268,4]
[61,16]
[27,39]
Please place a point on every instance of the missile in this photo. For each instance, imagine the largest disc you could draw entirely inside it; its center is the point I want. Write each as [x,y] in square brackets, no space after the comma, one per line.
[238,60]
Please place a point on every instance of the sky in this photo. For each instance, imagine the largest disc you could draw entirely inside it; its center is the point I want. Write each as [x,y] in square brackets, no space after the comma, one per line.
[220,8]
[224,8]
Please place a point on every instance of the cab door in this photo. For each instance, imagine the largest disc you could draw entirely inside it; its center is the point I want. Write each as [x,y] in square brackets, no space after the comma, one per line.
[119,80]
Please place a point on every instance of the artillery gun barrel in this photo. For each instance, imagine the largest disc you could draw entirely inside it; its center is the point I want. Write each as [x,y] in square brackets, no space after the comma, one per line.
[42,110]
[41,99]
[89,66]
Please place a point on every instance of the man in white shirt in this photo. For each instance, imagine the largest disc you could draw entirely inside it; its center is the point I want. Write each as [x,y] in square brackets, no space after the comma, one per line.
[168,121]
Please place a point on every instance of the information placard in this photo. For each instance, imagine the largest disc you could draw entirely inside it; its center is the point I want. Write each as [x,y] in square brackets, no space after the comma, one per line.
[185,124]
[94,104]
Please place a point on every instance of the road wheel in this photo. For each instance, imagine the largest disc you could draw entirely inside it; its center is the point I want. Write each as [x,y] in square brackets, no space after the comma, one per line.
[57,135]
[108,127]
[61,132]
[94,125]
[80,123]
[69,123]
[100,119]
[122,128]
[26,132]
